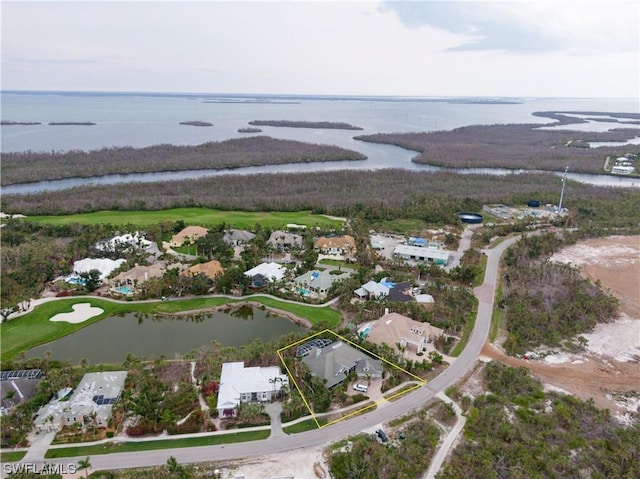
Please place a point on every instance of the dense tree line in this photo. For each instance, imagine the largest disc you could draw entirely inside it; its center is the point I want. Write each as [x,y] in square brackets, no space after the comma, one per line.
[24,167]
[522,146]
[369,195]
[332,125]
[545,302]
[518,431]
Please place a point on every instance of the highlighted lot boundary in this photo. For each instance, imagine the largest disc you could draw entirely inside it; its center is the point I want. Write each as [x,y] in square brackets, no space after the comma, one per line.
[369,405]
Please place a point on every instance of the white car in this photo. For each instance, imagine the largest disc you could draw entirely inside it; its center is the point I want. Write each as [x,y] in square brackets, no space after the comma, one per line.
[360,387]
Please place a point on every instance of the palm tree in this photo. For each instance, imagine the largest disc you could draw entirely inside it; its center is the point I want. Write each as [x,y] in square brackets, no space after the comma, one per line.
[84,464]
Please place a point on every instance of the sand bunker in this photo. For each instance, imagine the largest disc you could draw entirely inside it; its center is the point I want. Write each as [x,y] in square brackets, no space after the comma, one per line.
[81,312]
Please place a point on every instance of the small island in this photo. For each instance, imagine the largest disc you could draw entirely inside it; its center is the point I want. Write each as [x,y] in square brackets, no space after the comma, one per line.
[196,123]
[306,124]
[249,130]
[12,123]
[72,123]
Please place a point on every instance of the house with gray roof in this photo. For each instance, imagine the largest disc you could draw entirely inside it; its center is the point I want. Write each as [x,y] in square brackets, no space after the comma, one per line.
[333,363]
[96,394]
[236,237]
[282,240]
[318,282]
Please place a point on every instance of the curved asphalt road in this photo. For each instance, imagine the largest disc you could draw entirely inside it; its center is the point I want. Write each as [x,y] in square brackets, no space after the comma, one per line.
[383,413]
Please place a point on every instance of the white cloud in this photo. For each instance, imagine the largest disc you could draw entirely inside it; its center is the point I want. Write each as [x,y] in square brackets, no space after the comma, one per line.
[414,48]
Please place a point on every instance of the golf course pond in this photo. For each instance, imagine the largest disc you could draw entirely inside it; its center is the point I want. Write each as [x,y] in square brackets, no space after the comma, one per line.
[144,335]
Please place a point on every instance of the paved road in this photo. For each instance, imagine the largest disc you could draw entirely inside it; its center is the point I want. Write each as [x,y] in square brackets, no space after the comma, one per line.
[341,429]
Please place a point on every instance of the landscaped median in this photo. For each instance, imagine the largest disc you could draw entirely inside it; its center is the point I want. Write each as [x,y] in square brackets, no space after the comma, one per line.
[11,456]
[138,446]
[33,329]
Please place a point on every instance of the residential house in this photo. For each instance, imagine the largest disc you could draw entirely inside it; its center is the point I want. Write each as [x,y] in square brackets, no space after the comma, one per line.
[125,242]
[138,275]
[385,289]
[240,384]
[419,254]
[188,236]
[265,273]
[333,363]
[317,282]
[17,386]
[235,237]
[93,398]
[341,247]
[399,332]
[104,265]
[282,240]
[210,269]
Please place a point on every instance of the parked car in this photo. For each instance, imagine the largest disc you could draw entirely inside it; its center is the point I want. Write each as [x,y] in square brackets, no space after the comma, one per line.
[382,435]
[360,387]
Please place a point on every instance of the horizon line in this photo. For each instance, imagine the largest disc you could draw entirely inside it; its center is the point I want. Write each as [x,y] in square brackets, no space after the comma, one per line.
[304,95]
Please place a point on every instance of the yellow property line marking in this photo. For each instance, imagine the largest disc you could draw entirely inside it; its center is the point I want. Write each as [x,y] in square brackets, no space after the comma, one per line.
[375,404]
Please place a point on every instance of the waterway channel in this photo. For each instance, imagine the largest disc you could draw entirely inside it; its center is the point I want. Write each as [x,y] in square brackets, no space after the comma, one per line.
[110,340]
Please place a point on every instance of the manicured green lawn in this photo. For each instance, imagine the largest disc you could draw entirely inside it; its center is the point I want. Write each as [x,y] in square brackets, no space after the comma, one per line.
[335,262]
[34,329]
[12,456]
[159,444]
[308,425]
[466,332]
[194,216]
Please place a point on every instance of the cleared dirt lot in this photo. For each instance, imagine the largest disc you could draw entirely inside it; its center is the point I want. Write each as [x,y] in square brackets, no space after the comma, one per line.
[611,364]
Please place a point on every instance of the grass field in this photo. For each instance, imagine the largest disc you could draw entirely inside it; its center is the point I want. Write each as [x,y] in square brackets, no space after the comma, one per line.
[194,216]
[308,425]
[11,456]
[80,451]
[34,329]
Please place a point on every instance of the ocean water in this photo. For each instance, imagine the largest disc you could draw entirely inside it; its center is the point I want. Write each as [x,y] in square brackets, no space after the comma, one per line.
[145,119]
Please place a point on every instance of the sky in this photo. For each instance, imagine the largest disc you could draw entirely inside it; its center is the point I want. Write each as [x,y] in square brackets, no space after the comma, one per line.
[507,48]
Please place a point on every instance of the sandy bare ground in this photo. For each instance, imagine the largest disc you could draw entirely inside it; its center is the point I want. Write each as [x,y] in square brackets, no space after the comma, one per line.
[298,464]
[81,312]
[611,364]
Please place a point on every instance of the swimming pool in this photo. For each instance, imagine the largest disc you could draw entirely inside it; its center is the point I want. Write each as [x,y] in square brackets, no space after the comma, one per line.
[123,290]
[365,331]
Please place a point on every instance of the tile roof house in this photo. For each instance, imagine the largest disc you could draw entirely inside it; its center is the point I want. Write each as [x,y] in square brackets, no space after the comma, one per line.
[96,394]
[336,361]
[336,246]
[240,384]
[319,282]
[396,329]
[281,240]
[210,269]
[188,235]
[139,274]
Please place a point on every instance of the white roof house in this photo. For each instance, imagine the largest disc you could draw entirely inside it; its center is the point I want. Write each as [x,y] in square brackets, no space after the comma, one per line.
[272,271]
[373,290]
[104,265]
[125,241]
[416,253]
[239,384]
